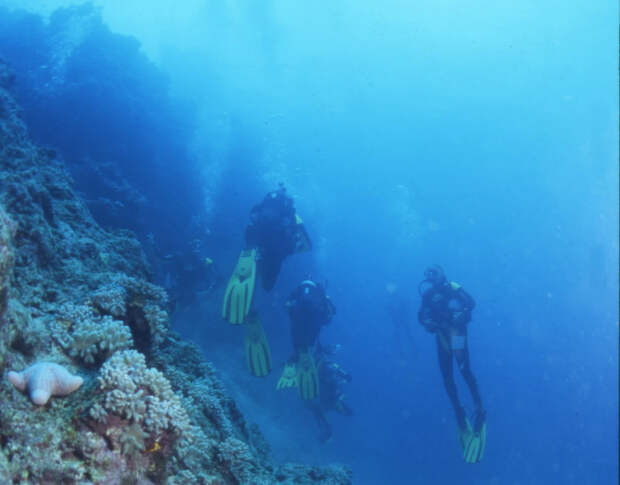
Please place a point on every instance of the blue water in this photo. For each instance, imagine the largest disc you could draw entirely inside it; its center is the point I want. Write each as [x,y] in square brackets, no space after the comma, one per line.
[482,136]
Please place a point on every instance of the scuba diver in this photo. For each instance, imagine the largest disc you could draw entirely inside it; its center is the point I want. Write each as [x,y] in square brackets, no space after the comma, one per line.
[309,308]
[188,274]
[275,231]
[445,311]
[332,379]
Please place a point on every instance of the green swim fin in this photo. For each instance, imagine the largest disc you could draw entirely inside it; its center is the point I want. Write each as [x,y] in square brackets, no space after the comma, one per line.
[473,439]
[240,288]
[307,376]
[257,351]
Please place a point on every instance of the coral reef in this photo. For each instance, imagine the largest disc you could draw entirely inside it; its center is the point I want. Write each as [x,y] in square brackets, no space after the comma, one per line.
[7,230]
[150,410]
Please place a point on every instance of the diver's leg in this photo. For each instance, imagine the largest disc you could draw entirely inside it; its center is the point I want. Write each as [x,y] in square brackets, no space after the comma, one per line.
[444,355]
[269,270]
[325,430]
[342,407]
[461,353]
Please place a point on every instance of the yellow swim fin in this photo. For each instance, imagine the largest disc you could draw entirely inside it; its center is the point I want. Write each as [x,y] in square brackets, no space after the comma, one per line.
[473,442]
[307,376]
[240,288]
[257,351]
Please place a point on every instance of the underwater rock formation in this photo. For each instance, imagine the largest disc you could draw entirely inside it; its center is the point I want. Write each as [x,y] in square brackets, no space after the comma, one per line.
[150,410]
[96,97]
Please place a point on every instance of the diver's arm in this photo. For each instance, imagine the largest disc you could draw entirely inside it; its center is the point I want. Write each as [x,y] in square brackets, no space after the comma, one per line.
[466,299]
[291,304]
[425,319]
[253,229]
[468,305]
[329,310]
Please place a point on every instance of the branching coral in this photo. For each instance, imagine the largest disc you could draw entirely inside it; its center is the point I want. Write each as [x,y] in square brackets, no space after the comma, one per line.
[110,299]
[95,340]
[136,302]
[132,440]
[157,320]
[87,336]
[133,392]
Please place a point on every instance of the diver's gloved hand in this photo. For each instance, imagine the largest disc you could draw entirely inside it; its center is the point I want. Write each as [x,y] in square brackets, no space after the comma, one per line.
[459,318]
[240,289]
[288,378]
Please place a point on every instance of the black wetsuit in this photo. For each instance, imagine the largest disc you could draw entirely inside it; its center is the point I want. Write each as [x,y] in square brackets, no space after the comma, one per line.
[446,310]
[309,309]
[272,231]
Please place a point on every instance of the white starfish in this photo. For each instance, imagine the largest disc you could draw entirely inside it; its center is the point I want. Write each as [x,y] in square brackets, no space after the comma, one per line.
[44,380]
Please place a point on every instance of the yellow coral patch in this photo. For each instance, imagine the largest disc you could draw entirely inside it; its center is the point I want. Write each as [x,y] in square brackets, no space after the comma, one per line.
[156,447]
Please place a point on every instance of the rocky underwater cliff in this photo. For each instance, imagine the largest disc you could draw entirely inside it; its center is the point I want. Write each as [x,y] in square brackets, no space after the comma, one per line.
[76,299]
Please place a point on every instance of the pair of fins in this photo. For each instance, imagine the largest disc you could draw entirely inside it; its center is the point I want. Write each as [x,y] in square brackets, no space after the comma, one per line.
[238,301]
[473,438]
[236,309]
[303,375]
